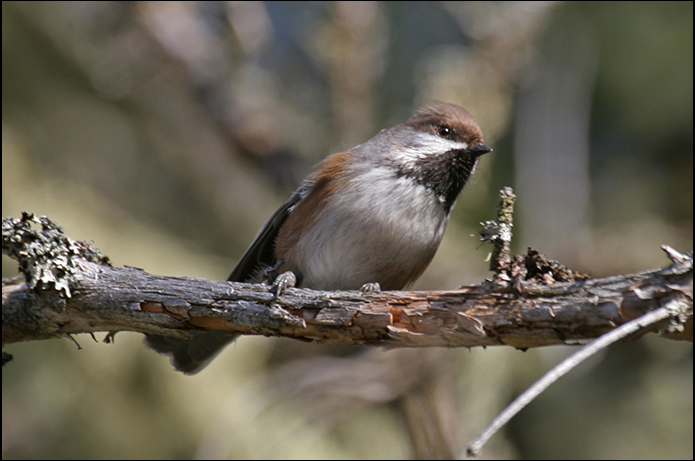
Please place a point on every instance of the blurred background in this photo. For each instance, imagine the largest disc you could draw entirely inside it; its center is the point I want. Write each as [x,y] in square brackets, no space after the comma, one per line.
[168,132]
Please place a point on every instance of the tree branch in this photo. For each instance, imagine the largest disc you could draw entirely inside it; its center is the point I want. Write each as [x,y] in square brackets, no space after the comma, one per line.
[70,288]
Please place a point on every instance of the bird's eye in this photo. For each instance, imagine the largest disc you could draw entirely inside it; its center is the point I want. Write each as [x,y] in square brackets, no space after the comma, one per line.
[444,131]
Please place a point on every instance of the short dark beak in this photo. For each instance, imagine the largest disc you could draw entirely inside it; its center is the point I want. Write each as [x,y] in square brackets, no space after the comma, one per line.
[479,150]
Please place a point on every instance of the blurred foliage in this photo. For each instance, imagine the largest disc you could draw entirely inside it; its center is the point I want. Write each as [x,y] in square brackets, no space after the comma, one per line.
[167,132]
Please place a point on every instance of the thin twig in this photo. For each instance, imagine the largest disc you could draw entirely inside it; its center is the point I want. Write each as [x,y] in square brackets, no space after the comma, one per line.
[672,308]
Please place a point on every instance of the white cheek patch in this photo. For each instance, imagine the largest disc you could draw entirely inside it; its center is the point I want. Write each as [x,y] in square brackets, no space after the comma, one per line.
[423,145]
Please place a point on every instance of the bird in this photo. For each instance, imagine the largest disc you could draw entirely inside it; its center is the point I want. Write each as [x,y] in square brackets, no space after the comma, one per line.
[370,218]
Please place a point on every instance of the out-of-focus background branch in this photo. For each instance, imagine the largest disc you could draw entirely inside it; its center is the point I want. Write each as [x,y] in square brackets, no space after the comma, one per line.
[168,132]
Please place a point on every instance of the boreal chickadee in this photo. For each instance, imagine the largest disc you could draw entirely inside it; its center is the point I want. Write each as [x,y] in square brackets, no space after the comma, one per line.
[373,214]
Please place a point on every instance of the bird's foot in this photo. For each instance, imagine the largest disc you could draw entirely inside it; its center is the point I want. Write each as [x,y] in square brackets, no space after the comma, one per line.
[282,282]
[371,287]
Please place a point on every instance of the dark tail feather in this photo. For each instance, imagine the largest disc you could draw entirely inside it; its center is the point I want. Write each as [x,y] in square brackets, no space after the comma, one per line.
[191,355]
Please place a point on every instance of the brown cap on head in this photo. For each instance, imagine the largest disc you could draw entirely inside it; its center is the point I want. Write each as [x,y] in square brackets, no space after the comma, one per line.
[439,116]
